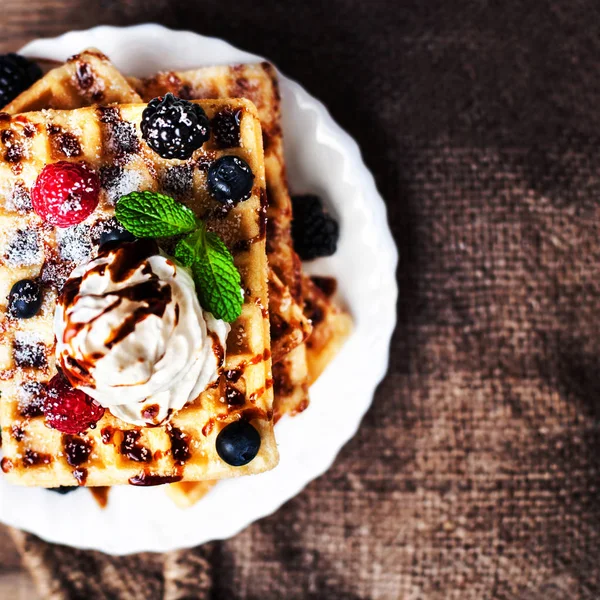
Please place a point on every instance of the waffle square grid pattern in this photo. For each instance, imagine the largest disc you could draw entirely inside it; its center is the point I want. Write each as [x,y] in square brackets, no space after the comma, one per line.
[109,139]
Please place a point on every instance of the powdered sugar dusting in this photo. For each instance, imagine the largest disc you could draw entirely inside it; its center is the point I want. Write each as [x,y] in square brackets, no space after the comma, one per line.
[28,349]
[177,180]
[122,140]
[30,399]
[228,229]
[102,226]
[18,198]
[118,181]
[74,243]
[27,337]
[24,249]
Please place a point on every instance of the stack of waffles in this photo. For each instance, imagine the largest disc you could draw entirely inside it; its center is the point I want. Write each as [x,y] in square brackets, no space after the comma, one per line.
[290,326]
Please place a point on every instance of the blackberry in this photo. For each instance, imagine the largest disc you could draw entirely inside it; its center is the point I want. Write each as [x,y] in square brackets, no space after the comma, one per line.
[173,127]
[16,75]
[315,232]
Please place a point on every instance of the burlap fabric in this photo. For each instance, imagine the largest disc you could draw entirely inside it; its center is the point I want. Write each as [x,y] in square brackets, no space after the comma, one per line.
[475,474]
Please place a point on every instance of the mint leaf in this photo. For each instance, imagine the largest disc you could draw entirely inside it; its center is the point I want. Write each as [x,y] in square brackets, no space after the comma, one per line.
[150,214]
[186,249]
[216,277]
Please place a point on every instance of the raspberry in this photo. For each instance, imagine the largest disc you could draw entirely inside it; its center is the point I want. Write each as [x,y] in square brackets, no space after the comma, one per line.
[69,410]
[65,193]
[173,127]
[315,233]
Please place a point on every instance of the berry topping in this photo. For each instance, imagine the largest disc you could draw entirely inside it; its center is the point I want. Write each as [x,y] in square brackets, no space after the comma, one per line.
[117,235]
[230,180]
[63,489]
[238,443]
[16,75]
[69,410]
[173,127]
[65,193]
[315,232]
[113,232]
[25,299]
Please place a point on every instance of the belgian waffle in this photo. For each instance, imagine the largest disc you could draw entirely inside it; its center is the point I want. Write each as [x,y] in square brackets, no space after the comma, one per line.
[332,325]
[258,83]
[286,314]
[89,77]
[85,79]
[109,139]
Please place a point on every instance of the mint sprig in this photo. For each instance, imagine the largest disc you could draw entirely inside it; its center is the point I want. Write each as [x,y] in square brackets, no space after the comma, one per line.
[150,214]
[216,278]
[218,282]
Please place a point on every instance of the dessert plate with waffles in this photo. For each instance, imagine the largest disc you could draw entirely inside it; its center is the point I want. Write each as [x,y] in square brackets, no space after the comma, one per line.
[197,289]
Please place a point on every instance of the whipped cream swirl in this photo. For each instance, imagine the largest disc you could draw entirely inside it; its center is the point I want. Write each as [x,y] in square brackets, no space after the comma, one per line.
[131,334]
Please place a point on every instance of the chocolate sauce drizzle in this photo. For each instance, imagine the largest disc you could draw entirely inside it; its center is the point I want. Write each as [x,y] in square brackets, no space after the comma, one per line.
[234,397]
[100,495]
[180,449]
[245,245]
[77,450]
[107,434]
[233,375]
[32,458]
[146,479]
[80,476]
[132,449]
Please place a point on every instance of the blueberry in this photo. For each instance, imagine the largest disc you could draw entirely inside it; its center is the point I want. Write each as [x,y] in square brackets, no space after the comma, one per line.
[25,299]
[110,230]
[63,489]
[238,443]
[116,235]
[230,179]
[174,127]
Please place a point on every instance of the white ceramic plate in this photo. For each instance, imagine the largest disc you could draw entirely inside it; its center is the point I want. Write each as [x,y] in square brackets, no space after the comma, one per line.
[321,158]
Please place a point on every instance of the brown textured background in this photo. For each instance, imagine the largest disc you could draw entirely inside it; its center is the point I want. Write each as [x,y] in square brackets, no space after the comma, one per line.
[475,474]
